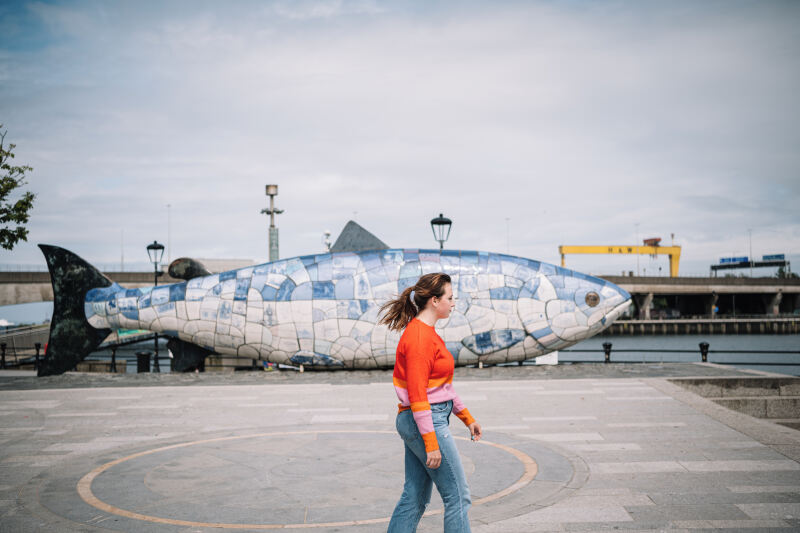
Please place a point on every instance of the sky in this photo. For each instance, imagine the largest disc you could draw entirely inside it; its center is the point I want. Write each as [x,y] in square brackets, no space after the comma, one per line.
[529,124]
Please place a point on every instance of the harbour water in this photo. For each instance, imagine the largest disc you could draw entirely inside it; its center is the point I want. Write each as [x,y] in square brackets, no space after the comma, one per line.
[742,351]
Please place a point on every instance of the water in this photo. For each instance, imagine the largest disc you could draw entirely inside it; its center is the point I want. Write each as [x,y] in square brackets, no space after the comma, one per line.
[789,363]
[717,343]
[30,313]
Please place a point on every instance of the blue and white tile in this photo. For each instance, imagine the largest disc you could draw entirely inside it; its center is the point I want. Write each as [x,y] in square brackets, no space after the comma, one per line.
[346,326]
[210,281]
[345,348]
[225,343]
[146,317]
[254,298]
[283,312]
[327,330]
[480,318]
[239,307]
[323,309]
[306,344]
[180,310]
[362,288]
[282,330]
[456,333]
[204,338]
[362,332]
[249,350]
[195,326]
[209,308]
[97,321]
[269,317]
[288,344]
[266,336]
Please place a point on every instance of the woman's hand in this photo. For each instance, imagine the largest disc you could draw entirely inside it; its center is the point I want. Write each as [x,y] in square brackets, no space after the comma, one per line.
[475,431]
[434,459]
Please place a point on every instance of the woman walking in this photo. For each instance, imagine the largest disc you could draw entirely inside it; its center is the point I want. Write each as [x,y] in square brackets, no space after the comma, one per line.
[423,380]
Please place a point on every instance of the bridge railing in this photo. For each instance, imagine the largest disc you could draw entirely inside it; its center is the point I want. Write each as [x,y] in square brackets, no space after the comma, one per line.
[703,350]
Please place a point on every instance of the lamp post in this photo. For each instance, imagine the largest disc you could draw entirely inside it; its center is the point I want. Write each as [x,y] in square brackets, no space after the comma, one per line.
[272,192]
[155,251]
[441,229]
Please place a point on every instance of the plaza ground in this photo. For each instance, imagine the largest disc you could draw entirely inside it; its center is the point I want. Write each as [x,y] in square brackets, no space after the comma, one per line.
[569,448]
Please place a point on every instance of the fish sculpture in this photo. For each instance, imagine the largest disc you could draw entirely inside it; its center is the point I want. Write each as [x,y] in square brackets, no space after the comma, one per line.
[321,311]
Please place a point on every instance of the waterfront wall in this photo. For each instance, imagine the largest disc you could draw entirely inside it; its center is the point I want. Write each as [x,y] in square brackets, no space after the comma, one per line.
[717,326]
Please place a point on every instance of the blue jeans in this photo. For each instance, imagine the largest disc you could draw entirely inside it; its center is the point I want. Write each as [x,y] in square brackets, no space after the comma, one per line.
[449,477]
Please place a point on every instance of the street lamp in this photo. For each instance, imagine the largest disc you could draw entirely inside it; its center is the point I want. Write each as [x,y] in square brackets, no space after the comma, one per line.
[272,192]
[155,251]
[441,229]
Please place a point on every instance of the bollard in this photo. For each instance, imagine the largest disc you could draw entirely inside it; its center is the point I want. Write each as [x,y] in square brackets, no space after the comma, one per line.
[156,366]
[38,347]
[3,355]
[607,350]
[704,351]
[113,360]
[143,362]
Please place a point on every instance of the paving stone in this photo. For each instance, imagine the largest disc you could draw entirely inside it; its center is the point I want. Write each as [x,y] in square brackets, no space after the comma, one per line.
[722,497]
[739,466]
[658,464]
[739,525]
[771,511]
[635,467]
[764,489]
[671,513]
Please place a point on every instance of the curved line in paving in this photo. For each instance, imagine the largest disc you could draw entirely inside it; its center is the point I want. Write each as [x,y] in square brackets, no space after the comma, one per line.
[85,484]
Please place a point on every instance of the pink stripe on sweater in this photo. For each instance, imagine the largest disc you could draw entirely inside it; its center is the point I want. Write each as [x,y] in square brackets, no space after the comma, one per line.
[424,421]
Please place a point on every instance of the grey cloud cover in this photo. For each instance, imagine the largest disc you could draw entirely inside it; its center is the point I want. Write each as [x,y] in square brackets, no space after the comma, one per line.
[574,120]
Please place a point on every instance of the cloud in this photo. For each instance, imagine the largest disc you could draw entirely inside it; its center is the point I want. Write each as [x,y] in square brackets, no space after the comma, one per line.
[575,122]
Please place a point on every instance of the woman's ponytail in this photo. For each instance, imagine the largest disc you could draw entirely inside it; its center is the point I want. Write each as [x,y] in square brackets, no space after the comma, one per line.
[401,310]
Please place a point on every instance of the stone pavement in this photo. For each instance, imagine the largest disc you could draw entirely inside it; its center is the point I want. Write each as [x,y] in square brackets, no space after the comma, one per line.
[569,448]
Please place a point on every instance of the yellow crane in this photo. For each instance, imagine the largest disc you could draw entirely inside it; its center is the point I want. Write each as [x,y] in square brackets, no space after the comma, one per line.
[651,247]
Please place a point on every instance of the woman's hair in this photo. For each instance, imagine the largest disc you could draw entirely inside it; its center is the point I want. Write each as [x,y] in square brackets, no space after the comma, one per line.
[401,310]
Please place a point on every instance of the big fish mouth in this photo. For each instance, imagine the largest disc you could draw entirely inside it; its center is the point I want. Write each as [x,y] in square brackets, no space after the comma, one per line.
[618,310]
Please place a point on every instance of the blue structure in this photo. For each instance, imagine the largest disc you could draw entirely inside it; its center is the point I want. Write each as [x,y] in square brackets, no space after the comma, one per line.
[322,310]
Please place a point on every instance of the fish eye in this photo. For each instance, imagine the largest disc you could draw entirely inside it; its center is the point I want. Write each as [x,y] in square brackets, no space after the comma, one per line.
[592,299]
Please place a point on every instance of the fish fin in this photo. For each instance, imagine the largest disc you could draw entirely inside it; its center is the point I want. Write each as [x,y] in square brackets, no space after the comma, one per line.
[304,357]
[493,340]
[186,356]
[186,268]
[72,338]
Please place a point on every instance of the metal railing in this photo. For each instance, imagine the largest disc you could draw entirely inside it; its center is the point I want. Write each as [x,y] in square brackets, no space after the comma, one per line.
[703,350]
[21,355]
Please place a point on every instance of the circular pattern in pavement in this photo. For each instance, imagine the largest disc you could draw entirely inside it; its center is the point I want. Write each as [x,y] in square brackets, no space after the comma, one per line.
[297,479]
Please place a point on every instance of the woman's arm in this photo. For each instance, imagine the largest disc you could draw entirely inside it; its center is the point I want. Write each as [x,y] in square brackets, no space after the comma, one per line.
[419,365]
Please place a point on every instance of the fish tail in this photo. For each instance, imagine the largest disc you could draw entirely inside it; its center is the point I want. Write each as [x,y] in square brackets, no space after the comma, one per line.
[72,338]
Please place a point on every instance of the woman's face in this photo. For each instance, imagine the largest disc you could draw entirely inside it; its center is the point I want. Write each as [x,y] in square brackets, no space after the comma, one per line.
[444,305]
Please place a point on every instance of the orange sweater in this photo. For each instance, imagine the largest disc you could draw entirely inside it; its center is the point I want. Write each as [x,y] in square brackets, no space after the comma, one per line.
[423,374]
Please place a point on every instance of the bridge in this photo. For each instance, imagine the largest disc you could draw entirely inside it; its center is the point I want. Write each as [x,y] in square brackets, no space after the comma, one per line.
[660,297]
[28,287]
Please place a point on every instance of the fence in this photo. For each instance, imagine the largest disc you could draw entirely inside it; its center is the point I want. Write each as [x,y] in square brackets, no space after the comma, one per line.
[22,345]
[703,351]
